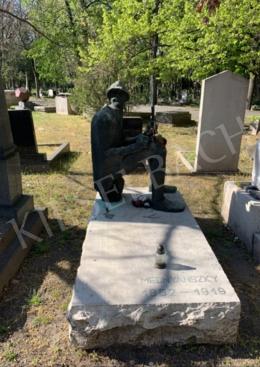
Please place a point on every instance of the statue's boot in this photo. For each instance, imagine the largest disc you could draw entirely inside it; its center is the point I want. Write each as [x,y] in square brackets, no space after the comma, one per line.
[169,189]
[159,202]
[166,205]
[166,189]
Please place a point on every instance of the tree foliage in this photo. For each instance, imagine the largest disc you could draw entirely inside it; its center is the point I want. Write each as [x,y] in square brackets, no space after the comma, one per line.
[93,42]
[195,42]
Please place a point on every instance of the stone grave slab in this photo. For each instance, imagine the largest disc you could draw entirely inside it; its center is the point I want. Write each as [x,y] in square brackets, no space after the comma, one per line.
[120,297]
[47,109]
[176,118]
[242,214]
[145,115]
[221,122]
[12,254]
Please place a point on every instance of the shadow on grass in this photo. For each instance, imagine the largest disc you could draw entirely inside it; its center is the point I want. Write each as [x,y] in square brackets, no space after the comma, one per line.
[42,259]
[240,268]
[60,165]
[184,356]
[63,164]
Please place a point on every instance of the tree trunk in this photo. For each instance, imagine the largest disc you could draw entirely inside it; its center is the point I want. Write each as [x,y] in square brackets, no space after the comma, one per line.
[26,81]
[153,80]
[250,91]
[36,79]
[154,51]
[70,16]
[73,29]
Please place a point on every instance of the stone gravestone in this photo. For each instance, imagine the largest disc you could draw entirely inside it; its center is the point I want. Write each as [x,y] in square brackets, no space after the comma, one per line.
[62,104]
[10,98]
[23,130]
[241,208]
[241,212]
[51,93]
[222,112]
[255,127]
[133,125]
[256,167]
[22,124]
[120,297]
[13,204]
[24,137]
[23,95]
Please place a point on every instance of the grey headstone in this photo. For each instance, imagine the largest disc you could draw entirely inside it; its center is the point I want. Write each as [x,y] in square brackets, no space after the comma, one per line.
[221,122]
[12,203]
[62,104]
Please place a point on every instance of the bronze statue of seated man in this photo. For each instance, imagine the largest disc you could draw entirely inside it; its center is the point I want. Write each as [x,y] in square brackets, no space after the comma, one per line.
[113,157]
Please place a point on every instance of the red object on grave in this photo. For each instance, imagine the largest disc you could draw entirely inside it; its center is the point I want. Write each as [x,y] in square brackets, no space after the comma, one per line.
[22,94]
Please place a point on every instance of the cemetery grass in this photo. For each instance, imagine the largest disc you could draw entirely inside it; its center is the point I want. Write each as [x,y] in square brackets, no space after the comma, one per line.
[33,326]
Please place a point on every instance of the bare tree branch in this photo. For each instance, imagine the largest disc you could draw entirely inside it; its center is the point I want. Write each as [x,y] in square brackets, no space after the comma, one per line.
[92,2]
[23,20]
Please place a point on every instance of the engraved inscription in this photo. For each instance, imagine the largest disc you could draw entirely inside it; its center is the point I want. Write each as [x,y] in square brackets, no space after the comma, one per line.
[164,292]
[208,291]
[182,279]
[159,292]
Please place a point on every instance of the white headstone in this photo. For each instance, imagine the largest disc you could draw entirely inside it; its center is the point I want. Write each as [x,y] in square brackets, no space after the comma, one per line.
[256,167]
[184,96]
[50,93]
[221,121]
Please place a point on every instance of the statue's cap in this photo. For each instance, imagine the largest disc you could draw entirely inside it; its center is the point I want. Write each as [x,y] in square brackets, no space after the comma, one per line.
[117,87]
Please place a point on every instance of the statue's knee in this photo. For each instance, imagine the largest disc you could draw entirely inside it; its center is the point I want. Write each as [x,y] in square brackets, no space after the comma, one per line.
[159,149]
[110,188]
[119,182]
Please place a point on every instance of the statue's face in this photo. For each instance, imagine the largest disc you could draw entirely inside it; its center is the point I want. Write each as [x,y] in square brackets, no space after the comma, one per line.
[118,100]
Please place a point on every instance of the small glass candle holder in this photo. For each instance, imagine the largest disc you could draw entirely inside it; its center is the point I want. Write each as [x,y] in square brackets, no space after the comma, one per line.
[160,257]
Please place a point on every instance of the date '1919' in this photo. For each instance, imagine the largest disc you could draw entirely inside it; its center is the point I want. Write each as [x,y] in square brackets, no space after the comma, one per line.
[208,291]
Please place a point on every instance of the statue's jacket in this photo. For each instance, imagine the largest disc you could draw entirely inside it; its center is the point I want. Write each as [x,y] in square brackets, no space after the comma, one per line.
[108,143]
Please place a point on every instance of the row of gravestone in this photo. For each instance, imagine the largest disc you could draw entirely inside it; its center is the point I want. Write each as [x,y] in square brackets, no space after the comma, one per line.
[20,97]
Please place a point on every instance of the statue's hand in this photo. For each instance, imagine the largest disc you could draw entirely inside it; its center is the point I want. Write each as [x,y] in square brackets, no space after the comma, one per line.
[160,140]
[143,139]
